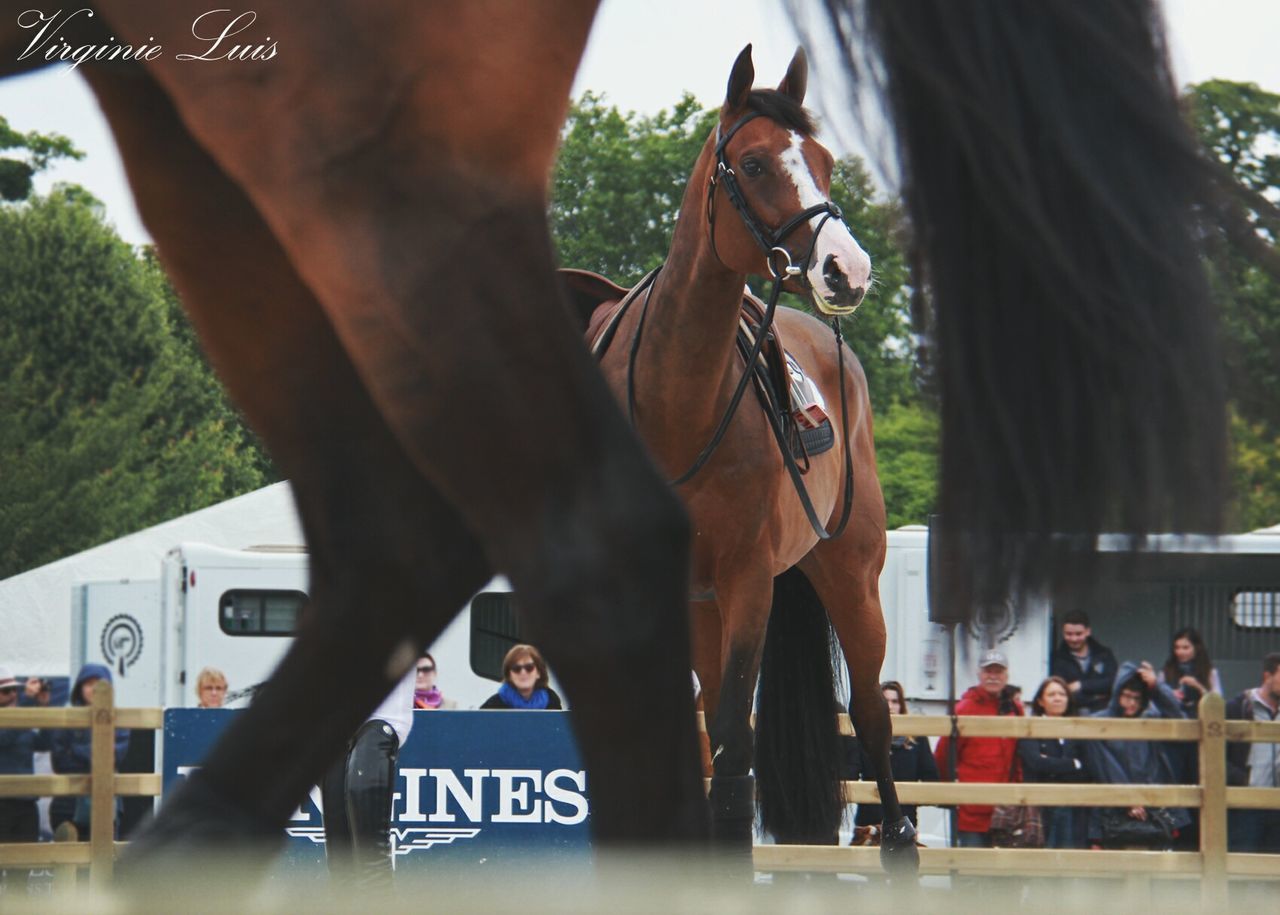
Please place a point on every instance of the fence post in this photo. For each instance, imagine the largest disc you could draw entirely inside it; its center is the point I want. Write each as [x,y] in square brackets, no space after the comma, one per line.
[102,785]
[1213,804]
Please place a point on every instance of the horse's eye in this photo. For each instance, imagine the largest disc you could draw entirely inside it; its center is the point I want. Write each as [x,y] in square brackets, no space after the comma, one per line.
[752,168]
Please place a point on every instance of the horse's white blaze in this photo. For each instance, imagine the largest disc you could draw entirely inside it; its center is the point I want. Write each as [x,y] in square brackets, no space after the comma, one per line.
[834,240]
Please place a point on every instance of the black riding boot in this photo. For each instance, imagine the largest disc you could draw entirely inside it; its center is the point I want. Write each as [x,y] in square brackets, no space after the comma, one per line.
[371,776]
[357,803]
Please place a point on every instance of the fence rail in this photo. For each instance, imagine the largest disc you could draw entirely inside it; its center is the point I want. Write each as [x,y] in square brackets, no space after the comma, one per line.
[102,785]
[1211,864]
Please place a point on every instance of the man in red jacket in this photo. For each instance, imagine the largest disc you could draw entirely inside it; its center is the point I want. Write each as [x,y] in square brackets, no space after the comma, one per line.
[981,759]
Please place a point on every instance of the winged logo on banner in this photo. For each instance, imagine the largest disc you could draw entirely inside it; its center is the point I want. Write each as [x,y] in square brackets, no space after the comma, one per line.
[404,841]
[314,833]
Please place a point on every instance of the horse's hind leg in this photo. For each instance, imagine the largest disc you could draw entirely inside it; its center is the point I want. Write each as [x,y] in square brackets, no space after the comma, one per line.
[845,573]
[390,561]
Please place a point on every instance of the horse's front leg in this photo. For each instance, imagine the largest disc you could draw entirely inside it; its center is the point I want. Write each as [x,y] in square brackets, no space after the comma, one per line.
[744,612]
[391,561]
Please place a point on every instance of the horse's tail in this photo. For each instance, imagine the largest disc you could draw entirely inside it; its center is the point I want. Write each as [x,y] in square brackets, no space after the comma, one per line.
[798,750]
[1053,186]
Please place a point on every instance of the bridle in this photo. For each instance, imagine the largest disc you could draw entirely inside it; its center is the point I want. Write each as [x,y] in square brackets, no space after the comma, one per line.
[771,243]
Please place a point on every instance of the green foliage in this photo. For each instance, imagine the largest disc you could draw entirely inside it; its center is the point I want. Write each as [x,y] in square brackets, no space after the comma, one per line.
[39,150]
[907,441]
[618,183]
[1255,469]
[109,419]
[1239,124]
[1234,120]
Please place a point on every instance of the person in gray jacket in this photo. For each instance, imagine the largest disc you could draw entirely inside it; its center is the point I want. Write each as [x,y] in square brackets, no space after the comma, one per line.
[1256,765]
[1137,694]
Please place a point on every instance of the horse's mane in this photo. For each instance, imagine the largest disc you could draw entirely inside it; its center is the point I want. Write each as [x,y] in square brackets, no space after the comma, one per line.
[1052,186]
[782,108]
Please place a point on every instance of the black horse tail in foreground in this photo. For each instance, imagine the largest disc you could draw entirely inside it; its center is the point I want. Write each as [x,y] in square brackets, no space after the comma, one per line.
[798,750]
[1053,193]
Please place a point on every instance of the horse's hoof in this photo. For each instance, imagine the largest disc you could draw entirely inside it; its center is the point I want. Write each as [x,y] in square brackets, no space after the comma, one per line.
[898,853]
[733,812]
[196,824]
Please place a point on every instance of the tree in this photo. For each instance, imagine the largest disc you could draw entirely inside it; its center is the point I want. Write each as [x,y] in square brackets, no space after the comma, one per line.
[1239,125]
[618,183]
[1255,471]
[907,458]
[109,421]
[37,149]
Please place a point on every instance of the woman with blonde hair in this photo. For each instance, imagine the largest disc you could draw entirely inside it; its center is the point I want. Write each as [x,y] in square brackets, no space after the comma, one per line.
[211,688]
[524,683]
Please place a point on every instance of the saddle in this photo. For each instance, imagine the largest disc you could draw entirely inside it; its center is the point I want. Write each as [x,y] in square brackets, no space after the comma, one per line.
[780,384]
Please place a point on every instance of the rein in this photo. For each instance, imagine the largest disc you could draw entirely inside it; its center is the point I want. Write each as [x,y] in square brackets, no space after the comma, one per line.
[771,242]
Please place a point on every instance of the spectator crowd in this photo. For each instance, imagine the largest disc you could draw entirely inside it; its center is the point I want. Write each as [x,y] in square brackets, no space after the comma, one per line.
[1085,679]
[357,790]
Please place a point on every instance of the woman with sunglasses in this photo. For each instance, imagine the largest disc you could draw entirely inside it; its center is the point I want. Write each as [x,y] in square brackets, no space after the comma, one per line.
[426,695]
[524,683]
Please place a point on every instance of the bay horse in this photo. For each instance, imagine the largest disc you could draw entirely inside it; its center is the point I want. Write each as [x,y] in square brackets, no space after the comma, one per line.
[759,198]
[352,206]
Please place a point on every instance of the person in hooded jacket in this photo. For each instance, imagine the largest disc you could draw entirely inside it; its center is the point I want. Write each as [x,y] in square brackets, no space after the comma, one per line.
[70,753]
[982,759]
[1137,693]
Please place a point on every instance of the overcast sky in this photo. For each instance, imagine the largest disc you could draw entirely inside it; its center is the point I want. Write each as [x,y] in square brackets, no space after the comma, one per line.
[642,55]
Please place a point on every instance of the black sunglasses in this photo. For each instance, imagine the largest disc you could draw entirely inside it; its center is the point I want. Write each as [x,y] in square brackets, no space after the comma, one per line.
[426,669]
[523,668]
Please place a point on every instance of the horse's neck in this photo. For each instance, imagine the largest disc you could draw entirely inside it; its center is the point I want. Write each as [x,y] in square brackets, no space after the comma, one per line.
[687,356]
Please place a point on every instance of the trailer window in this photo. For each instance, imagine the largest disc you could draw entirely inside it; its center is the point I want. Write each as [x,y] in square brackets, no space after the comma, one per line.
[260,612]
[1256,609]
[495,630]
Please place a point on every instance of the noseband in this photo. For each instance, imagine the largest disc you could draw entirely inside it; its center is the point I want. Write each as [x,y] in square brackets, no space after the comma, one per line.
[769,241]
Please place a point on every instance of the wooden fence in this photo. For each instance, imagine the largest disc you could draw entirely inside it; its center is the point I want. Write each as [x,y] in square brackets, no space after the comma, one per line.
[1212,864]
[103,785]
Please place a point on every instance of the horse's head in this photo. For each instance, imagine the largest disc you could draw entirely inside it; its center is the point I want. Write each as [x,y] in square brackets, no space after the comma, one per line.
[768,168]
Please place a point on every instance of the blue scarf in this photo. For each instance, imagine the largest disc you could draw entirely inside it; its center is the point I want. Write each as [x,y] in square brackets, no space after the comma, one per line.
[538,699]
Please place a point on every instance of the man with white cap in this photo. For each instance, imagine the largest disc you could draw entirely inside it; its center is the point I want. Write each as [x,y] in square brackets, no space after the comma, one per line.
[981,759]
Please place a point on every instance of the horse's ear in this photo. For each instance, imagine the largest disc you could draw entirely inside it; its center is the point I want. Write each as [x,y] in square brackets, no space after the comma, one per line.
[740,82]
[797,78]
